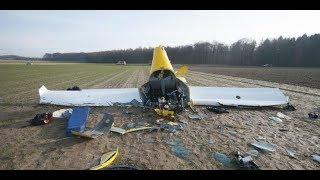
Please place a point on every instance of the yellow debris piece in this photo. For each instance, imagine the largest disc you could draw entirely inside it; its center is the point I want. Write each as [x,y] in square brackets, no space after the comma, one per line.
[182,71]
[138,129]
[164,112]
[106,160]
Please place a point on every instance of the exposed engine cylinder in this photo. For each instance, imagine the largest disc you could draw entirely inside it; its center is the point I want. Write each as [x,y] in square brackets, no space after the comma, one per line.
[165,90]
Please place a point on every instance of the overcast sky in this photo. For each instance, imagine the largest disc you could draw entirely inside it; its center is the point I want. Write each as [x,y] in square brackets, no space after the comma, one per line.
[34,33]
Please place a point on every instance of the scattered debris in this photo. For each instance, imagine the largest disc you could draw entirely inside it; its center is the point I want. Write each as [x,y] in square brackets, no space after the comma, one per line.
[102,127]
[283,130]
[159,121]
[164,112]
[133,103]
[62,113]
[276,119]
[139,129]
[172,127]
[106,160]
[181,152]
[245,162]
[253,152]
[316,158]
[192,107]
[123,131]
[118,130]
[313,115]
[222,158]
[78,120]
[289,107]
[195,117]
[264,146]
[218,110]
[41,119]
[74,88]
[283,116]
[291,153]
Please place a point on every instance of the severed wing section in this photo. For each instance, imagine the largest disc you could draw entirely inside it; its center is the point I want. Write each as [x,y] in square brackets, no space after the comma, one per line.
[89,97]
[237,96]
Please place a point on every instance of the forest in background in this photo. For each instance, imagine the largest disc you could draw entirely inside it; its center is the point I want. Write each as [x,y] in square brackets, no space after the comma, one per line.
[303,51]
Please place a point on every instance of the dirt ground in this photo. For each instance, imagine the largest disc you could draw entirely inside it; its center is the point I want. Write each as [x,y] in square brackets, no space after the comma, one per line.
[47,147]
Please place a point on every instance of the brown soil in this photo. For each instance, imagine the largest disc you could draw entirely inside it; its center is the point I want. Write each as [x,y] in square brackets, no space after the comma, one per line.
[46,147]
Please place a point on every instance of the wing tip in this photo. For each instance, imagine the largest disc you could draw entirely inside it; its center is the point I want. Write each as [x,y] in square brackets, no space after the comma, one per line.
[42,90]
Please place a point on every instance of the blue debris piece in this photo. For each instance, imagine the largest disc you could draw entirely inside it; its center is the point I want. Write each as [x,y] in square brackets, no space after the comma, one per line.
[223,159]
[181,152]
[78,120]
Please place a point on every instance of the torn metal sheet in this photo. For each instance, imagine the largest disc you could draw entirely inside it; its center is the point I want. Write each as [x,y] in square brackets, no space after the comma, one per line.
[316,158]
[88,97]
[62,113]
[118,130]
[217,96]
[283,116]
[276,119]
[99,129]
[264,146]
[291,153]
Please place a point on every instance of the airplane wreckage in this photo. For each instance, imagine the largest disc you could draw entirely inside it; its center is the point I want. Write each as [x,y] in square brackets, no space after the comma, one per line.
[166,90]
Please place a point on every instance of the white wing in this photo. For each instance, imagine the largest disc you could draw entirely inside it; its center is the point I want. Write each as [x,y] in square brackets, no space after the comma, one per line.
[89,97]
[237,96]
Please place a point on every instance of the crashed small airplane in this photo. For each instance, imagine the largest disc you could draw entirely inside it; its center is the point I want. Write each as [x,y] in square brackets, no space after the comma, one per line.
[166,89]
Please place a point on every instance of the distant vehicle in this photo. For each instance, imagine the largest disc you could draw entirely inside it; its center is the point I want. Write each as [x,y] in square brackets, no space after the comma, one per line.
[121,63]
[267,65]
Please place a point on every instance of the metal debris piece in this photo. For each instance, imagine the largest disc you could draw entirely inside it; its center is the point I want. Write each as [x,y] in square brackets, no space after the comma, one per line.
[118,130]
[283,116]
[172,127]
[195,117]
[316,158]
[103,126]
[138,129]
[130,125]
[180,151]
[283,130]
[276,119]
[291,153]
[245,162]
[264,146]
[62,113]
[218,110]
[289,107]
[106,160]
[253,152]
[313,115]
[222,158]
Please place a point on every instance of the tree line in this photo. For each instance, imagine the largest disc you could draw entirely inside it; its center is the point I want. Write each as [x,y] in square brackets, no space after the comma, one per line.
[303,51]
